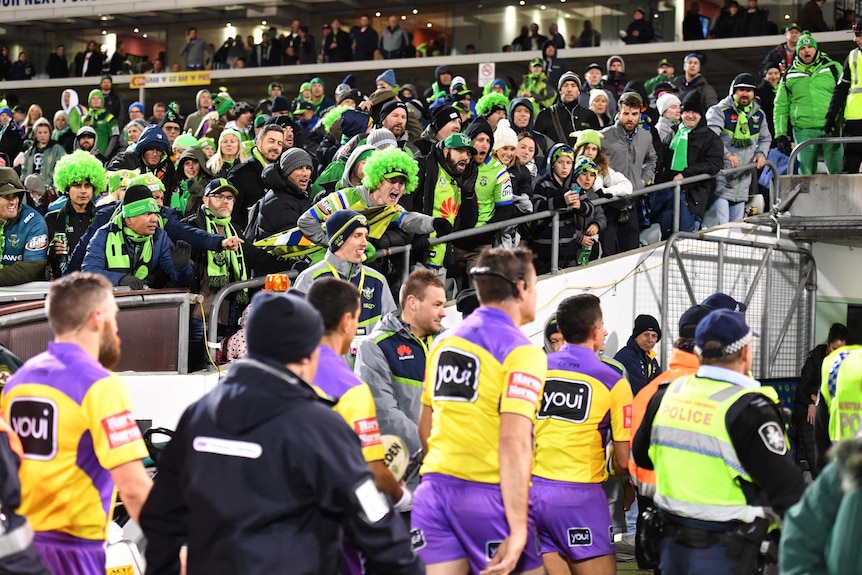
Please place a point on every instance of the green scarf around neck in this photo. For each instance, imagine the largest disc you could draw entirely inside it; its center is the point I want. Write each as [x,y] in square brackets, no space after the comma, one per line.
[679,145]
[217,262]
[741,133]
[117,252]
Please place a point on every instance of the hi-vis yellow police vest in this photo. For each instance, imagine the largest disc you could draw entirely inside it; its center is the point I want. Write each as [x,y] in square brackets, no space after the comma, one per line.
[841,390]
[697,468]
[853,107]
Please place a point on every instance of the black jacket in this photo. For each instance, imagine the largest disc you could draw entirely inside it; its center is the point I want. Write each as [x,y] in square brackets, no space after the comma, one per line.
[288,507]
[94,67]
[57,67]
[705,156]
[282,204]
[246,178]
[114,104]
[342,52]
[572,118]
[164,170]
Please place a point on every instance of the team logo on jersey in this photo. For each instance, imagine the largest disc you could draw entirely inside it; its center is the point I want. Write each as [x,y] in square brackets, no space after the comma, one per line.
[404,352]
[368,292]
[483,181]
[566,399]
[580,537]
[491,548]
[417,539]
[449,208]
[456,377]
[13,240]
[773,438]
[34,419]
[37,243]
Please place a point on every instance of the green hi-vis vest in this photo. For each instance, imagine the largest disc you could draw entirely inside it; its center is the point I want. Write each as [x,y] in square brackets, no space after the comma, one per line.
[840,388]
[853,107]
[697,468]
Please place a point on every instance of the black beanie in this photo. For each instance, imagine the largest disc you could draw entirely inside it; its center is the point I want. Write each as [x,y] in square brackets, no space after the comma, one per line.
[443,116]
[282,327]
[135,193]
[390,107]
[644,323]
[693,102]
[480,126]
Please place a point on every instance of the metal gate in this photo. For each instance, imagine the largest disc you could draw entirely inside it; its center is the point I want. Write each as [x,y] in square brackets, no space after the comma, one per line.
[777,282]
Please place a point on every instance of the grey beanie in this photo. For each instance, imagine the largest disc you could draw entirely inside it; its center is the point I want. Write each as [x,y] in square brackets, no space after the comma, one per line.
[381,138]
[292,160]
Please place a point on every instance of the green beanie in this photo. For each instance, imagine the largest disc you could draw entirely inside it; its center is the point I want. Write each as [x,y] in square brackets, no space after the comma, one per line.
[806,39]
[589,137]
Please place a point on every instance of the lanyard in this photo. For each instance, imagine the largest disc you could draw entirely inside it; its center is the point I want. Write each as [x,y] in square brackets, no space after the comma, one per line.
[337,275]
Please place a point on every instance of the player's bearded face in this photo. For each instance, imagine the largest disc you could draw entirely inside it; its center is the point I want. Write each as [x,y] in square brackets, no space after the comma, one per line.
[109,346]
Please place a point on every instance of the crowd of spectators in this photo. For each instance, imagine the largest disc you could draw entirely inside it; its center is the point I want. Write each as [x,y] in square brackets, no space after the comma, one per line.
[418,162]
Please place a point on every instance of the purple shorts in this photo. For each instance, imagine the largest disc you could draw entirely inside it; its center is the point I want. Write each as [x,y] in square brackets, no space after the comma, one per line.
[572,519]
[69,555]
[457,519]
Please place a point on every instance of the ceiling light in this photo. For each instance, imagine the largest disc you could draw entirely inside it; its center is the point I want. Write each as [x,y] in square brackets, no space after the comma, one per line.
[542,7]
[104,32]
[145,34]
[263,22]
[787,16]
[228,25]
[135,30]
[103,18]
[521,2]
[415,11]
[429,24]
[403,17]
[377,14]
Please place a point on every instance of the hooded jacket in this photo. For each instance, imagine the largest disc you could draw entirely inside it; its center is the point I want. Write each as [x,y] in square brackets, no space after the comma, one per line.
[438,89]
[51,154]
[549,195]
[804,93]
[543,143]
[290,505]
[615,82]
[721,119]
[153,137]
[188,195]
[282,203]
[392,362]
[105,123]
[193,120]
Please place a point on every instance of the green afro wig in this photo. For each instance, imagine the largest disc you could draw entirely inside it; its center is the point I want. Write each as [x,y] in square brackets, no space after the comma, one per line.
[489,102]
[333,115]
[390,163]
[79,167]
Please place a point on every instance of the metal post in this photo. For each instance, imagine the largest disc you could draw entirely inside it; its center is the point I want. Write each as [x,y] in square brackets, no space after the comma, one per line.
[677,193]
[555,243]
[406,264]
[142,97]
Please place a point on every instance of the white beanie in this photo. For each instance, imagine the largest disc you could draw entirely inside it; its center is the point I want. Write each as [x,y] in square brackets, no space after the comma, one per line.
[597,92]
[665,101]
[504,135]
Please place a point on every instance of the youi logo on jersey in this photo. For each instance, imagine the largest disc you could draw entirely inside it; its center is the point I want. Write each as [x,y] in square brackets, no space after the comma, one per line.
[456,376]
[566,399]
[35,422]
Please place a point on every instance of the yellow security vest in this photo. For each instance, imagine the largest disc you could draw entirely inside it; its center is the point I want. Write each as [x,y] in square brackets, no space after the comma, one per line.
[841,389]
[853,107]
[697,468]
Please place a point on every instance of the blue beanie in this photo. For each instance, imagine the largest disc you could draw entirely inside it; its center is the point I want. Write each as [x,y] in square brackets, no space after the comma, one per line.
[340,225]
[6,110]
[388,76]
[137,105]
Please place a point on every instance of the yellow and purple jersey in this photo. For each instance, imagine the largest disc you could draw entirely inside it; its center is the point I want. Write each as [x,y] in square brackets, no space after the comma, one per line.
[483,368]
[584,401]
[355,402]
[75,423]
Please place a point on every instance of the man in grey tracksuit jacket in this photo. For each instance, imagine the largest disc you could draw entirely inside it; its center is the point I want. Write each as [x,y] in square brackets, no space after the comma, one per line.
[392,362]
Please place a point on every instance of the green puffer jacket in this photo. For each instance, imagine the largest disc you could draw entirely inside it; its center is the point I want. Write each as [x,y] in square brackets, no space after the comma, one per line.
[535,87]
[804,93]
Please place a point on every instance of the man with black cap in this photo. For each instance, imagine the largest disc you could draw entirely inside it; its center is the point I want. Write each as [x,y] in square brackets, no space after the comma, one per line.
[132,248]
[263,474]
[347,235]
[847,102]
[563,120]
[638,356]
[741,124]
[215,269]
[247,177]
[783,54]
[722,465]
[693,149]
[447,190]
[664,73]
[802,102]
[23,234]
[286,198]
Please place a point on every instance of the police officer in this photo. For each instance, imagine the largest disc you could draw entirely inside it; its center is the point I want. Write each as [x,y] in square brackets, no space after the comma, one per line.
[839,407]
[847,97]
[717,444]
[264,477]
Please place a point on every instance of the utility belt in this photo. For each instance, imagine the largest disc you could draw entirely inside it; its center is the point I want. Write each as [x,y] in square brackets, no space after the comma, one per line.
[752,545]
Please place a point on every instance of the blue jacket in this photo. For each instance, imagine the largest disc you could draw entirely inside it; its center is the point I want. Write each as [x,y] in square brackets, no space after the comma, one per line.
[175,228]
[96,260]
[640,367]
[25,251]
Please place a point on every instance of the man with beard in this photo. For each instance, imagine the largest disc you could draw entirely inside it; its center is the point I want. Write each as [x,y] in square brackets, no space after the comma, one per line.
[23,234]
[247,177]
[85,140]
[562,121]
[447,190]
[741,124]
[392,360]
[394,116]
[91,442]
[131,248]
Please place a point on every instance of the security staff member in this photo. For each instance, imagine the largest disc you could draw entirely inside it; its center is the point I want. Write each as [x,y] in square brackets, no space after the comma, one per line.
[263,476]
[847,98]
[717,444]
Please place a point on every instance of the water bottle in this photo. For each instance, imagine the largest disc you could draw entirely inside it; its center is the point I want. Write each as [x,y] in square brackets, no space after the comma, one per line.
[584,255]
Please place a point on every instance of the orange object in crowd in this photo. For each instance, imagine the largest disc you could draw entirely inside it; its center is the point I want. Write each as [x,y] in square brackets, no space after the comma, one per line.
[277,282]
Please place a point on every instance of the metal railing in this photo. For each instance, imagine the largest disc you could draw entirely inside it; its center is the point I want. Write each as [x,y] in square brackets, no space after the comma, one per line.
[791,162]
[553,215]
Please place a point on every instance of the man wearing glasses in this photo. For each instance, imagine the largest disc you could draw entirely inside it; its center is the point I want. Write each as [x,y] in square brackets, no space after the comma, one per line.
[215,269]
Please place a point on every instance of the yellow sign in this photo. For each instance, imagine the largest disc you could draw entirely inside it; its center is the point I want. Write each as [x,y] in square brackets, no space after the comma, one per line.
[200,78]
[122,570]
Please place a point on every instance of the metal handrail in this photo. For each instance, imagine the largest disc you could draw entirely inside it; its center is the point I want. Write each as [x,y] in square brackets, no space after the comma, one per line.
[212,335]
[791,162]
